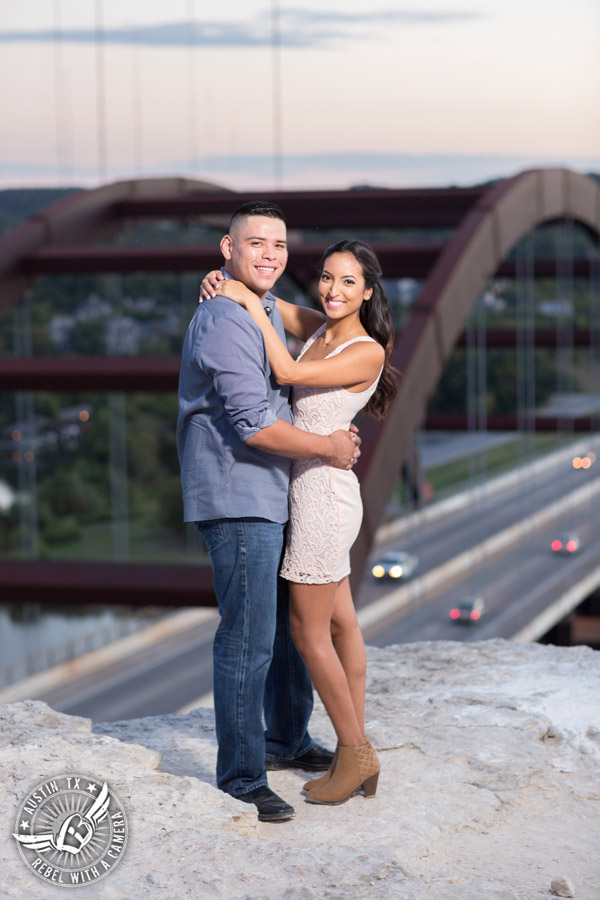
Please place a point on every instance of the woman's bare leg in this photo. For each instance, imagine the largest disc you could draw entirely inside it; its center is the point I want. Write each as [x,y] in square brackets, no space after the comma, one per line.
[311,610]
[350,647]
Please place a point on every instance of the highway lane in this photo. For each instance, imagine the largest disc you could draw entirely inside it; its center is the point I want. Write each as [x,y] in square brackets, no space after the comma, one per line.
[514,585]
[435,543]
[174,673]
[159,679]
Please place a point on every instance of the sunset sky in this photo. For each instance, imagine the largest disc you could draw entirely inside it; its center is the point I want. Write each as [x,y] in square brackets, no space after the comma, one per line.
[426,93]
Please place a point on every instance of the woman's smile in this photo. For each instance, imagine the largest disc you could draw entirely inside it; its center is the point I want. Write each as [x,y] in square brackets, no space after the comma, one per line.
[342,285]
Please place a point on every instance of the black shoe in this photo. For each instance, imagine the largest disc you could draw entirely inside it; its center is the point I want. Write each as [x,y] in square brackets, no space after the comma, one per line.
[317,759]
[271,808]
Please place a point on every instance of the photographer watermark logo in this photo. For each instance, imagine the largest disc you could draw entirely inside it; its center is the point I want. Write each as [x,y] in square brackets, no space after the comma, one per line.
[71,830]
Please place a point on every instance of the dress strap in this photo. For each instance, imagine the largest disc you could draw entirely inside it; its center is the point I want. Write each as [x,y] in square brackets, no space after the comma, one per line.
[347,344]
[312,338]
[317,333]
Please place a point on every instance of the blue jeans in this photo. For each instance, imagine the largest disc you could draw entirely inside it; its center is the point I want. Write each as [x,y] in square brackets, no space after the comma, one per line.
[256,666]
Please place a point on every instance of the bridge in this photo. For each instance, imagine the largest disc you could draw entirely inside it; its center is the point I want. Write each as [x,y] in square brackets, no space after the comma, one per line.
[467,238]
[493,539]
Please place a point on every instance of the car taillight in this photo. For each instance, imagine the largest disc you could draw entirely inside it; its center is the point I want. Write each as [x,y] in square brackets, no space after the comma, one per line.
[571,546]
[455,613]
[556,545]
[475,614]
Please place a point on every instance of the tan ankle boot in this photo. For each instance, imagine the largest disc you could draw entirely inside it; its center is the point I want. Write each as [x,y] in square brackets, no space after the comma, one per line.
[322,779]
[356,767]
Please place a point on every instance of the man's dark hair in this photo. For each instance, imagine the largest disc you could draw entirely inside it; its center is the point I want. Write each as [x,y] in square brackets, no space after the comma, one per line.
[256,208]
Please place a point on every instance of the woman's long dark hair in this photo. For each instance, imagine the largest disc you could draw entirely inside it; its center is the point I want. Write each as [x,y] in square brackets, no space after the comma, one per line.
[375,318]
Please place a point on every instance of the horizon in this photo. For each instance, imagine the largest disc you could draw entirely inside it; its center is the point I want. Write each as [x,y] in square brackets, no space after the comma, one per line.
[327,172]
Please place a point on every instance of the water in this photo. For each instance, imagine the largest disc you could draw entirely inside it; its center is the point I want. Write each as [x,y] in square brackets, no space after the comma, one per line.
[33,638]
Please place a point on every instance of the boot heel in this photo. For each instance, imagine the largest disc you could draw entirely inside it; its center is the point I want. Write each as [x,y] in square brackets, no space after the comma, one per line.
[356,768]
[370,785]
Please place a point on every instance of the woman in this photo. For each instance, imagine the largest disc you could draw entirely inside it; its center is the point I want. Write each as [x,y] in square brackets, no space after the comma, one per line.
[343,368]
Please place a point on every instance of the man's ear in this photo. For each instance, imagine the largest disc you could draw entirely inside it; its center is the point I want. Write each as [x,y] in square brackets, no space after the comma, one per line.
[226,246]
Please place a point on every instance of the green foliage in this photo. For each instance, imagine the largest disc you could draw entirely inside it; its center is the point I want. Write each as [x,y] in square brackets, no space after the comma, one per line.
[70,492]
[458,474]
[502,382]
[170,503]
[9,536]
[58,531]
[73,486]
[88,338]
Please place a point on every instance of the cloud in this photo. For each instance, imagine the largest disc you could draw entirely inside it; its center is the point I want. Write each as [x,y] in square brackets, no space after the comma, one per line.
[298,28]
[176,34]
[382,16]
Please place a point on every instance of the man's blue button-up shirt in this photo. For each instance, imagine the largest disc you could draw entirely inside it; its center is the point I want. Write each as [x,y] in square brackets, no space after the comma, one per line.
[227,393]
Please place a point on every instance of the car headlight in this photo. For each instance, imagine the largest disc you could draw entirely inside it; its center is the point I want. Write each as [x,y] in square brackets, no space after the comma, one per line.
[378,571]
[396,572]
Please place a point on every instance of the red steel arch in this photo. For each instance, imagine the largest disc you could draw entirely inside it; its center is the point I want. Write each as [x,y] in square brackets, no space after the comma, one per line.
[81,217]
[497,221]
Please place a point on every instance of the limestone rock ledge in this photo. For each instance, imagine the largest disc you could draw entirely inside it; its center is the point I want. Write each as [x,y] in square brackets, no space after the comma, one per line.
[490,788]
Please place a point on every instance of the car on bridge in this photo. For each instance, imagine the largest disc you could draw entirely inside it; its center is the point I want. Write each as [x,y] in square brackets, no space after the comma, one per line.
[469,611]
[566,543]
[394,565]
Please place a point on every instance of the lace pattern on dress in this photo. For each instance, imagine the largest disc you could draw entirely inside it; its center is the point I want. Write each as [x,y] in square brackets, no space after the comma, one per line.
[314,527]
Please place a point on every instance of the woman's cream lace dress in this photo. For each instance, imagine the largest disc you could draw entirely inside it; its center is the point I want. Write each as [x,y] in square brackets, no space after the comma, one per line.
[325,503]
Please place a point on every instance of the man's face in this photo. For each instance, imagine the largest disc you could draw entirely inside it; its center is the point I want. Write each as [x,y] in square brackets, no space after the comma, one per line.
[256,252]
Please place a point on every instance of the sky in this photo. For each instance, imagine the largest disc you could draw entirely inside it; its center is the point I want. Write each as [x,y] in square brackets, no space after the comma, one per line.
[276,94]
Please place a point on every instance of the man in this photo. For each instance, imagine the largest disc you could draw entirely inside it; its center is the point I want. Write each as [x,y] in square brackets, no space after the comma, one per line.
[235,439]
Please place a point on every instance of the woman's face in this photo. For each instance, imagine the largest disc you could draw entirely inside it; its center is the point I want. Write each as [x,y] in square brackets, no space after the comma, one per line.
[342,287]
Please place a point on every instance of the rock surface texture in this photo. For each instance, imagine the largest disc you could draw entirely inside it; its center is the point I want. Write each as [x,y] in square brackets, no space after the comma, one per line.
[489,789]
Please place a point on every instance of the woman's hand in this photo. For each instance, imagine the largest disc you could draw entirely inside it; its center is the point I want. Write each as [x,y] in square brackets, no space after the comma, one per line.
[215,285]
[238,292]
[210,283]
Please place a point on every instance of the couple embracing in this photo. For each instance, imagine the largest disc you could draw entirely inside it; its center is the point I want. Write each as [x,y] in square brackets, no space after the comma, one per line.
[287,616]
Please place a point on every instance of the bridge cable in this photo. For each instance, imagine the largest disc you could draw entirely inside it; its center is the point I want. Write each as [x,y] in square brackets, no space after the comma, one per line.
[116,345]
[476,363]
[524,291]
[565,357]
[277,94]
[136,104]
[530,355]
[192,92]
[25,437]
[64,171]
[594,354]
[100,91]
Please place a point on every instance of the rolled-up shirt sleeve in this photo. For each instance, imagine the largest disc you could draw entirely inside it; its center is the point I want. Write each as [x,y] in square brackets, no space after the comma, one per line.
[232,353]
